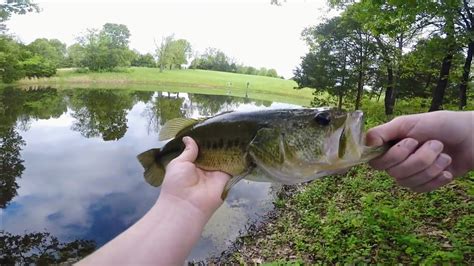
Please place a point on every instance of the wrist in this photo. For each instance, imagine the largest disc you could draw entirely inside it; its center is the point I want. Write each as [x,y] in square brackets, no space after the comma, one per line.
[180,208]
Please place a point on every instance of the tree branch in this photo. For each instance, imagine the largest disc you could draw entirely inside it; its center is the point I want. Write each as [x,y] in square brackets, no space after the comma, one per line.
[468,11]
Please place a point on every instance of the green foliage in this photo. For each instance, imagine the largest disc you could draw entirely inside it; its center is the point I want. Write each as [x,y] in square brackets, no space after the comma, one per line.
[408,48]
[104,50]
[38,66]
[215,59]
[101,113]
[51,50]
[18,61]
[364,217]
[11,55]
[9,7]
[41,248]
[143,60]
[11,164]
[173,53]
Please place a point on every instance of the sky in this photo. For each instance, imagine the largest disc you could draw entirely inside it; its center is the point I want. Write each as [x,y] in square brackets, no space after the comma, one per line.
[253,32]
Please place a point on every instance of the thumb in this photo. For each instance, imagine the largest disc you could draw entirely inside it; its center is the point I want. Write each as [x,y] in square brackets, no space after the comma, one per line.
[398,128]
[190,151]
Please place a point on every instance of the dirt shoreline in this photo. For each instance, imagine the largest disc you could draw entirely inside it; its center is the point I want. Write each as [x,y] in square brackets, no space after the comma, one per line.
[245,249]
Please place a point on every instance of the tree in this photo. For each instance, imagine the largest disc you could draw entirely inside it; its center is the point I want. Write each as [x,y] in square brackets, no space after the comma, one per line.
[9,7]
[41,248]
[466,23]
[180,52]
[116,35]
[173,53]
[143,60]
[76,55]
[11,56]
[53,51]
[272,73]
[327,66]
[163,52]
[215,59]
[107,49]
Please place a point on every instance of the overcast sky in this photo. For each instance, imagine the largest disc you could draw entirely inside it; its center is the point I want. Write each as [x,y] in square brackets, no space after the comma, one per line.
[252,31]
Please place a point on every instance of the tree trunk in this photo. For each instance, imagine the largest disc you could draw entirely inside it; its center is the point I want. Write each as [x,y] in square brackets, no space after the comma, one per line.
[379,94]
[465,77]
[339,105]
[389,92]
[438,93]
[360,89]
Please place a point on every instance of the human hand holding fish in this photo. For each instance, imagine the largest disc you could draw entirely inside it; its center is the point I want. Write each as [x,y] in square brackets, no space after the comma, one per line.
[185,182]
[168,231]
[433,148]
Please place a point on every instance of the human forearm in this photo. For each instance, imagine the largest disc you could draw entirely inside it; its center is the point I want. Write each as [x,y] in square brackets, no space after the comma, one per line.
[164,236]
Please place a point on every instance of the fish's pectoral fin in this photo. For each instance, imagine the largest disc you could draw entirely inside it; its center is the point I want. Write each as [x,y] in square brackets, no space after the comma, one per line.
[174,126]
[154,172]
[234,180]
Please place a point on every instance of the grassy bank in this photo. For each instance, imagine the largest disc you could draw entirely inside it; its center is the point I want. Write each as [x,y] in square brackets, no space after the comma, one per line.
[364,217]
[193,81]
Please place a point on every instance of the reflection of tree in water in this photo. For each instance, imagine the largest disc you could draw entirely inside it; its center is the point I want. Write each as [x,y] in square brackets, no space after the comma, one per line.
[11,164]
[209,105]
[143,96]
[168,107]
[101,113]
[41,249]
[44,103]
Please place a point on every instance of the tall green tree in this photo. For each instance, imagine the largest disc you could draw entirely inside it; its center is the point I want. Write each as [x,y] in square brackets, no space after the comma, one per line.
[52,50]
[163,52]
[173,53]
[106,49]
[11,56]
[329,65]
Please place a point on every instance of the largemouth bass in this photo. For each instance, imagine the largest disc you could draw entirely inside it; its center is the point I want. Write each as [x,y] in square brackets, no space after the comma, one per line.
[288,146]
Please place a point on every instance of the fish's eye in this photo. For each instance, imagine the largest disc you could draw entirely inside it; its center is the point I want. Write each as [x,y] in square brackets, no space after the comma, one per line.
[322,118]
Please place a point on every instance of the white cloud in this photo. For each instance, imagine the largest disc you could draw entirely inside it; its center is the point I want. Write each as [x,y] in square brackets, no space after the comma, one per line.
[254,32]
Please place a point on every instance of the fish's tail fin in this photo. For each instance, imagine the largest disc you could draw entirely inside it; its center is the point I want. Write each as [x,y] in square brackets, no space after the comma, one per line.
[154,170]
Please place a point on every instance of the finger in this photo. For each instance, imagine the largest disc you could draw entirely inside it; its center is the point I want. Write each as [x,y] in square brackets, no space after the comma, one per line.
[395,155]
[418,161]
[398,128]
[428,174]
[444,178]
[190,152]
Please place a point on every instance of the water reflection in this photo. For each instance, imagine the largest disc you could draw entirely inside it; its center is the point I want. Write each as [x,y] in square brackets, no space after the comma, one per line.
[68,163]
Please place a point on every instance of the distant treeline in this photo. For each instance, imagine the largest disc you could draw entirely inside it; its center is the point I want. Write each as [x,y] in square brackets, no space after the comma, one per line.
[214,59]
[100,50]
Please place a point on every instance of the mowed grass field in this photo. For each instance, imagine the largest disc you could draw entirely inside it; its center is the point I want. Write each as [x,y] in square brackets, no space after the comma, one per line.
[186,80]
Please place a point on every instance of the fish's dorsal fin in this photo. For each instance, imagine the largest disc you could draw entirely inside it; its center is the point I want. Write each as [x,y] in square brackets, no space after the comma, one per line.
[174,126]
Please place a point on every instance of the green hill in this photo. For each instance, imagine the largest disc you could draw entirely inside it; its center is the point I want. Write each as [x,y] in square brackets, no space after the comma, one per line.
[193,81]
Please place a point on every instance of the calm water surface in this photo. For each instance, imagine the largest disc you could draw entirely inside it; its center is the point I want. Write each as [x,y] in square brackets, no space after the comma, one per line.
[68,163]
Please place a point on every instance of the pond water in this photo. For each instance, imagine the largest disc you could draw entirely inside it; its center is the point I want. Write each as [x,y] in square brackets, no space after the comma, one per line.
[68,164]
